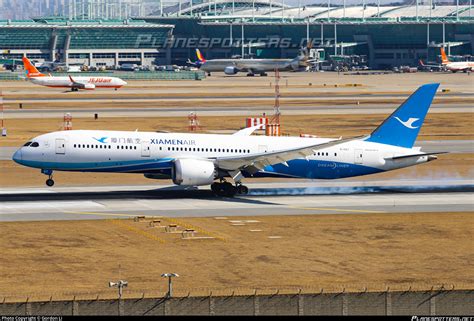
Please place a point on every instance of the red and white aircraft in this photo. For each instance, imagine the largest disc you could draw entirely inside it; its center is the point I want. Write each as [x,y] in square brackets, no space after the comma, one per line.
[453,66]
[457,65]
[76,83]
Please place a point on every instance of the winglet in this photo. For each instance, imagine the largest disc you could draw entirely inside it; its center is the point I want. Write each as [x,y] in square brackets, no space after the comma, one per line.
[401,128]
[248,130]
[70,78]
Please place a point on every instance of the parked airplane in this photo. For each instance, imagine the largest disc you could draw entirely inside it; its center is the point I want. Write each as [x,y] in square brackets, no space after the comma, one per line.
[251,66]
[76,83]
[455,66]
[201,159]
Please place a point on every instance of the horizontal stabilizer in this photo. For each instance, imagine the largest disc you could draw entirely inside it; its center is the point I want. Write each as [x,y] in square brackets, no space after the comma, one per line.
[414,155]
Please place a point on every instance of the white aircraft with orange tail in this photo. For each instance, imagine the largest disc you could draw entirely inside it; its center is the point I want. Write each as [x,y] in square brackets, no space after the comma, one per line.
[76,83]
[453,66]
[456,65]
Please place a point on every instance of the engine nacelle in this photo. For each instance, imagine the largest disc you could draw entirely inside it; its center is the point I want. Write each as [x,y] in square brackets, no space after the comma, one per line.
[193,172]
[231,70]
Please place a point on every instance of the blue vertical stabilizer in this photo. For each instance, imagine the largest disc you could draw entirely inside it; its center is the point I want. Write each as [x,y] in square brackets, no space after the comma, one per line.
[402,127]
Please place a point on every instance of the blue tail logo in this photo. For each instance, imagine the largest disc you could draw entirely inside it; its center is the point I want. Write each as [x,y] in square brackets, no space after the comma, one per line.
[408,123]
[411,115]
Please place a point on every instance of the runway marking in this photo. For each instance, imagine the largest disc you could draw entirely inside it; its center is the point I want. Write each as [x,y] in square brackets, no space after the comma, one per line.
[198,229]
[334,209]
[136,230]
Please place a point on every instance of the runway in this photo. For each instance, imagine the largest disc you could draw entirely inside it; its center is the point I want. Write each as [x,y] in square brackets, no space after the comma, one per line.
[300,198]
[429,146]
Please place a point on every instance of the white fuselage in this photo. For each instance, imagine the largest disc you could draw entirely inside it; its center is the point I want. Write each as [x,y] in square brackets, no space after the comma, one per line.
[460,66]
[149,152]
[88,81]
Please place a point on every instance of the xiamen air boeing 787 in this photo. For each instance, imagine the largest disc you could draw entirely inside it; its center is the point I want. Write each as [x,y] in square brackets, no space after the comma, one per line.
[218,160]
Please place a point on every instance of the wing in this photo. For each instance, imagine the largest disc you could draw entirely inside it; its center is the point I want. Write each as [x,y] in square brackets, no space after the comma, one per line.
[255,162]
[248,130]
[81,85]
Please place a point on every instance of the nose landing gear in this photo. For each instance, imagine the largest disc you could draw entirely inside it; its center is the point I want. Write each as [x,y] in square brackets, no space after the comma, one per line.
[49,181]
[229,190]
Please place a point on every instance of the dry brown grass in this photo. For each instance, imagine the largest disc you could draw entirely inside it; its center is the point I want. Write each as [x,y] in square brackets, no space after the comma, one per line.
[436,126]
[323,251]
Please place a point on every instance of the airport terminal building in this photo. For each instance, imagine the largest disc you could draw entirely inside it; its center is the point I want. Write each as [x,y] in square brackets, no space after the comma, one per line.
[386,35]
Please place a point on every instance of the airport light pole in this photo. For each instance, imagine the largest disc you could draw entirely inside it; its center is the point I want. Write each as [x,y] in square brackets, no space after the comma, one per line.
[120,285]
[170,276]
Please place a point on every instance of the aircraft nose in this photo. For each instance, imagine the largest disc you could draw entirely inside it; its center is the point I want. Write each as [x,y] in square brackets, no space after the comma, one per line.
[17,157]
[124,82]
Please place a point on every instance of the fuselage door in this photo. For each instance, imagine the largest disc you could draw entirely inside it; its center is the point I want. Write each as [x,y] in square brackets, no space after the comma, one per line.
[358,156]
[60,146]
[145,149]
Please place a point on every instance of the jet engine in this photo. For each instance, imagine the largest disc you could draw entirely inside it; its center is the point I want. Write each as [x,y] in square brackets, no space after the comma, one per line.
[231,70]
[193,172]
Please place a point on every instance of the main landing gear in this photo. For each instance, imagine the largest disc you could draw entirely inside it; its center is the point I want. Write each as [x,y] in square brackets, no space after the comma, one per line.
[229,190]
[49,181]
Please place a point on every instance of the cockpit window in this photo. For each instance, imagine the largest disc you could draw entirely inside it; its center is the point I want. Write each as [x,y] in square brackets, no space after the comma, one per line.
[27,144]
[35,144]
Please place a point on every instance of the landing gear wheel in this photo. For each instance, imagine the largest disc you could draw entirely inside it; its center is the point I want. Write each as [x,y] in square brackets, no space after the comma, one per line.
[242,189]
[250,74]
[216,188]
[263,74]
[49,182]
[224,189]
[229,189]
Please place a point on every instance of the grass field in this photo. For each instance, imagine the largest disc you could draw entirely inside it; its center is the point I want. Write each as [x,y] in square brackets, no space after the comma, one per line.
[313,252]
[436,126]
